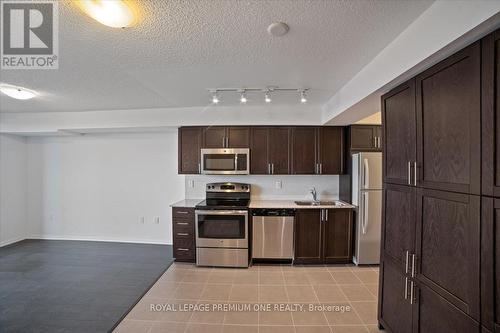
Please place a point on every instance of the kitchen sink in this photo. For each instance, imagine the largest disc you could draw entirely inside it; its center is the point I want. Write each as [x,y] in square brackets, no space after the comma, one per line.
[319,203]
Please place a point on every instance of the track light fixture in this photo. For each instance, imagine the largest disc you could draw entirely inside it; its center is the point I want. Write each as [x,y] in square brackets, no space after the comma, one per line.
[267,97]
[303,98]
[216,92]
[243,98]
[215,98]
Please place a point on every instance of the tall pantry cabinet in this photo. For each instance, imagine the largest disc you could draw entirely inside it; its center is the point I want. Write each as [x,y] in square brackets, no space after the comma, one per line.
[441,205]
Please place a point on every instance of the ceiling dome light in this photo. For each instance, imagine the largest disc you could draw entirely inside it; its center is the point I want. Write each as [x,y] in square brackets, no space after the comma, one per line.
[303,98]
[17,92]
[243,98]
[267,98]
[277,29]
[113,13]
[215,98]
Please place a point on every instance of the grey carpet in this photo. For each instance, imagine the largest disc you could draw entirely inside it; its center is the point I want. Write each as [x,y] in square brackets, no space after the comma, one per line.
[74,286]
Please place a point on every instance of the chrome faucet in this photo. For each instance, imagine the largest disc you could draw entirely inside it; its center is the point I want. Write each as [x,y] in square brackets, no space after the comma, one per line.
[314,195]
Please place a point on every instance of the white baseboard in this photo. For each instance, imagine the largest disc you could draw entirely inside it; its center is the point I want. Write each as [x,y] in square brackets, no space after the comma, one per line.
[98,239]
[11,241]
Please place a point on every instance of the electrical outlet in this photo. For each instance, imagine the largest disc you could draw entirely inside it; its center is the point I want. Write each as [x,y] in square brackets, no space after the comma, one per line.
[142,220]
[278,185]
[157,219]
[191,183]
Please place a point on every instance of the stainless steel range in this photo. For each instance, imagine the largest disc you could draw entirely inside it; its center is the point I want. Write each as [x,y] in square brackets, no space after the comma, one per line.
[222,226]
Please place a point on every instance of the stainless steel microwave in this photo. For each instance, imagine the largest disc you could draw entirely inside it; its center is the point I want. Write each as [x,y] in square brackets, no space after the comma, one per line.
[225,161]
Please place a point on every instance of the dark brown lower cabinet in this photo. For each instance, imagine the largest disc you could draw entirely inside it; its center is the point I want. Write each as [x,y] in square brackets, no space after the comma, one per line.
[434,314]
[490,264]
[183,233]
[323,236]
[395,308]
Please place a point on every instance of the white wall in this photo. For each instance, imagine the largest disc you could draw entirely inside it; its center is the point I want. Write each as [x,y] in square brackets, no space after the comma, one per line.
[264,187]
[97,187]
[13,203]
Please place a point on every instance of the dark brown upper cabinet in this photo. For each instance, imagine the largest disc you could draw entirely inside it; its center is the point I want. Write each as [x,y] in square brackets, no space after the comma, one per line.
[304,150]
[323,236]
[190,139]
[365,138]
[226,137]
[448,123]
[400,130]
[269,150]
[490,100]
[490,264]
[331,147]
[318,150]
[448,246]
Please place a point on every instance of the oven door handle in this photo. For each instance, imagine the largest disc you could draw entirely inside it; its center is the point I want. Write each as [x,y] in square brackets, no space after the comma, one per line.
[221,212]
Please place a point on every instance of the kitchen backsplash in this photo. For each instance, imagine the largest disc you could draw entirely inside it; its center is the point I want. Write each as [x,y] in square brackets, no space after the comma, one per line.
[265,187]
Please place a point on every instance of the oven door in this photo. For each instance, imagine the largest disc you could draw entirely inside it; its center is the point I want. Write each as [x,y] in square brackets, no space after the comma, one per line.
[225,161]
[222,228]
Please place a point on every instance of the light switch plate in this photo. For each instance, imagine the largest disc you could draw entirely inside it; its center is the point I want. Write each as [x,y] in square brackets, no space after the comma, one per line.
[191,183]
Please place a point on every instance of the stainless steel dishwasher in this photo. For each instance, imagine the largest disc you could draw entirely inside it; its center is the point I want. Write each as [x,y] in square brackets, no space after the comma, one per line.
[272,233]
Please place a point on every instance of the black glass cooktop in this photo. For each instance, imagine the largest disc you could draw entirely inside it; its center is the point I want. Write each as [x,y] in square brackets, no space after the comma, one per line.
[223,204]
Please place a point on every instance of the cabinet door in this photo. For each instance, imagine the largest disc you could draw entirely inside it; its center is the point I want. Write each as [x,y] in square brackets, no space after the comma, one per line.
[395,310]
[363,138]
[259,163]
[214,137]
[238,137]
[448,246]
[491,114]
[331,150]
[337,236]
[400,130]
[279,150]
[304,152]
[490,264]
[432,313]
[189,150]
[448,123]
[308,236]
[398,223]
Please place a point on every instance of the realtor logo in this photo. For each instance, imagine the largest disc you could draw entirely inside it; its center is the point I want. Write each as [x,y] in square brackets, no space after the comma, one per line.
[29,34]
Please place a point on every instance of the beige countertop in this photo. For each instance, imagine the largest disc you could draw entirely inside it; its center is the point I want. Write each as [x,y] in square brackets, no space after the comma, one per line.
[191,203]
[187,203]
[293,205]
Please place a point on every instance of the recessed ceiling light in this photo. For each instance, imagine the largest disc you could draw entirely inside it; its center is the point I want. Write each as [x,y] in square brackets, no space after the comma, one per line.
[113,13]
[277,29]
[17,92]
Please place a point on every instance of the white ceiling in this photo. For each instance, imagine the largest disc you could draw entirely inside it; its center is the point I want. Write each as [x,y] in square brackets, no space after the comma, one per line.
[183,47]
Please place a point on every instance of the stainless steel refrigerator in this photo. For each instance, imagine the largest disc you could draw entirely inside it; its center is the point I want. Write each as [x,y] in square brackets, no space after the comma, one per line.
[367,196]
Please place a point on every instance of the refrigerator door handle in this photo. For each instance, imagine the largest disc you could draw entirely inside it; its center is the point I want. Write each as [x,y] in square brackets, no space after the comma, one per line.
[364,222]
[366,172]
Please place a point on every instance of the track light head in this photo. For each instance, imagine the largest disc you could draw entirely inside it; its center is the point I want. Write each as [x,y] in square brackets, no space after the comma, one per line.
[303,98]
[215,98]
[243,98]
[267,97]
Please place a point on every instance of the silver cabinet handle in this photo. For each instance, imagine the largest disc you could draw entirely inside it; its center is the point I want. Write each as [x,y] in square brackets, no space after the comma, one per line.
[269,168]
[326,212]
[181,212]
[413,265]
[409,173]
[412,286]
[375,141]
[321,168]
[199,167]
[316,168]
[415,171]
[182,234]
[227,142]
[322,213]
[272,168]
[182,249]
[182,223]
[406,287]
[407,255]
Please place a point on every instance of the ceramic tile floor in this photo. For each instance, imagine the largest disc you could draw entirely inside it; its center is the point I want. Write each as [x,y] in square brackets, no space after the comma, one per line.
[185,284]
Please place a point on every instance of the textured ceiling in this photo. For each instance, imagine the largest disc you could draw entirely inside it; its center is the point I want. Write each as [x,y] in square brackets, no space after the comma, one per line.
[182,47]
